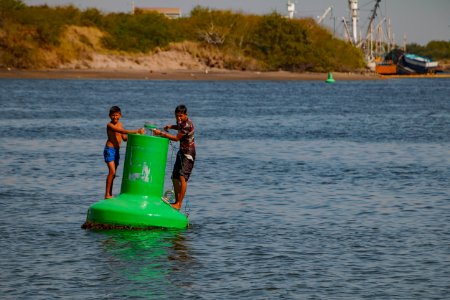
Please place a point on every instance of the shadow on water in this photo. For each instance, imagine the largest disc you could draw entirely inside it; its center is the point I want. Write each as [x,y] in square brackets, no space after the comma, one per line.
[147,261]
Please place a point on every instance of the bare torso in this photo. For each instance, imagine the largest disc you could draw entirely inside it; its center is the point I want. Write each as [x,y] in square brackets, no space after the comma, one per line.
[114,137]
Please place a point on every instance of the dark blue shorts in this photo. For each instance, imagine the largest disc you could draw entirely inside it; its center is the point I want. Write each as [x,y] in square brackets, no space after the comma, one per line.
[111,154]
[183,166]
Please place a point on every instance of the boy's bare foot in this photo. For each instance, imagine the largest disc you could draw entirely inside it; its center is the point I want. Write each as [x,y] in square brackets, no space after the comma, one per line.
[108,197]
[177,207]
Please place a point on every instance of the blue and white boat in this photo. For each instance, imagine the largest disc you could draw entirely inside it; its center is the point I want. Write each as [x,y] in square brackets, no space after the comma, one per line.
[419,64]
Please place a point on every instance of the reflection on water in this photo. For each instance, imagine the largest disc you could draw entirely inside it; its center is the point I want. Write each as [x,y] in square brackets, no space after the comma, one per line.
[146,259]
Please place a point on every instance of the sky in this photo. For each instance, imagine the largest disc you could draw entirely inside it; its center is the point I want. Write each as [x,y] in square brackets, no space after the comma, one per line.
[413,21]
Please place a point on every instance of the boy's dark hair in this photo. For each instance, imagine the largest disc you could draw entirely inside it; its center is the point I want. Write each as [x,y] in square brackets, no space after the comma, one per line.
[181,109]
[114,109]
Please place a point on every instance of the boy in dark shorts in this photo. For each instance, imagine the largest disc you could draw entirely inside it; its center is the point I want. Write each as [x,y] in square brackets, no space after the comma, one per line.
[116,133]
[186,155]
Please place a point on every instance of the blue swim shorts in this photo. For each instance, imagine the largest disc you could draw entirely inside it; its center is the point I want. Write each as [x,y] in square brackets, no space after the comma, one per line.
[111,154]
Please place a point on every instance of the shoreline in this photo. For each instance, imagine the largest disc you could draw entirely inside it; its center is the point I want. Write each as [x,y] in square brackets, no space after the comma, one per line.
[177,75]
[213,75]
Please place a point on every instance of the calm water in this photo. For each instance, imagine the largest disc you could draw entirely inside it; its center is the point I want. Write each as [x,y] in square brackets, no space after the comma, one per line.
[301,190]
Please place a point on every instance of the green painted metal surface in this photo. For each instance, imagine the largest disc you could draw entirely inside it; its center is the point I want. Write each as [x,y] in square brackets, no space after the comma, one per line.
[139,204]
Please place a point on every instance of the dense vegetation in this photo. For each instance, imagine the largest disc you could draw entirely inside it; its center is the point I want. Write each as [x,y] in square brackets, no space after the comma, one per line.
[30,35]
[437,50]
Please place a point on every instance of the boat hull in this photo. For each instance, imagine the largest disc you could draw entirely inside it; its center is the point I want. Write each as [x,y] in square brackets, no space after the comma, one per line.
[386,69]
[419,64]
[401,63]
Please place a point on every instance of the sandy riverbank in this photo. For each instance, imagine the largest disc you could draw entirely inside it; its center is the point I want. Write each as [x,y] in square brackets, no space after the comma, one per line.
[177,75]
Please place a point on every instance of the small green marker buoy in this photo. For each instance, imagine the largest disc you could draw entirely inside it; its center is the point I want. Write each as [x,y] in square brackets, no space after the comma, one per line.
[330,78]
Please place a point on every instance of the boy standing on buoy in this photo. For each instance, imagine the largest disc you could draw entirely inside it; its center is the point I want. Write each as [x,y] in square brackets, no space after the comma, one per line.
[186,155]
[116,133]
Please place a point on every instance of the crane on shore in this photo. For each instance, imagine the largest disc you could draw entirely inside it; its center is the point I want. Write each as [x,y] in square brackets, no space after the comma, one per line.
[325,14]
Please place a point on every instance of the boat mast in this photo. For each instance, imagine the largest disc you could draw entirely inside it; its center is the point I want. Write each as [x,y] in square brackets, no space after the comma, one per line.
[290,9]
[327,11]
[347,31]
[404,42]
[380,37]
[389,35]
[369,33]
[353,4]
[372,18]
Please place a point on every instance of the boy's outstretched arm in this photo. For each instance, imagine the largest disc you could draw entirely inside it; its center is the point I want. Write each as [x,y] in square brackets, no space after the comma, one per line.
[167,127]
[171,137]
[118,128]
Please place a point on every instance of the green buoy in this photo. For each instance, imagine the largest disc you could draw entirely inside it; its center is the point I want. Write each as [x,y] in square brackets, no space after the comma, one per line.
[139,204]
[150,126]
[330,78]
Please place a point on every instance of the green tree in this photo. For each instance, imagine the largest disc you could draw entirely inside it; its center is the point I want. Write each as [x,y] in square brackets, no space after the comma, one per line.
[7,6]
[215,27]
[48,22]
[281,43]
[438,50]
[92,17]
[224,38]
[137,33]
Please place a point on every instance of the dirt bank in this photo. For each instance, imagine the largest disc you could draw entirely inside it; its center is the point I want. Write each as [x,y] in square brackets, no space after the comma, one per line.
[176,75]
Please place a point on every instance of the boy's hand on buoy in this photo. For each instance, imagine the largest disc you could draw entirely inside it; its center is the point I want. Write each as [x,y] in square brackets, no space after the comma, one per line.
[141,130]
[156,132]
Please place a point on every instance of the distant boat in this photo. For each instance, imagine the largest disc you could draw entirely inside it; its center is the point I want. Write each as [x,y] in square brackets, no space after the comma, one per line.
[388,65]
[386,68]
[419,64]
[398,62]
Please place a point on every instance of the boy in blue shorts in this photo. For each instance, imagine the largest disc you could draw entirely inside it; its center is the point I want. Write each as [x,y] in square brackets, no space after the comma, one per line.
[185,156]
[116,133]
